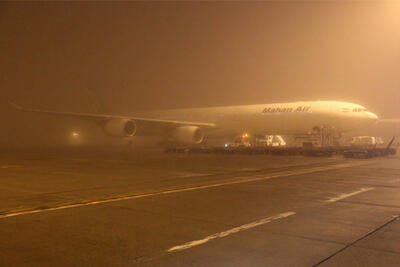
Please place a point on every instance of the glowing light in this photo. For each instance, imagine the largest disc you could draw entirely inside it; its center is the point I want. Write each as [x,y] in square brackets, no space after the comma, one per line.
[226,145]
[75,134]
[245,135]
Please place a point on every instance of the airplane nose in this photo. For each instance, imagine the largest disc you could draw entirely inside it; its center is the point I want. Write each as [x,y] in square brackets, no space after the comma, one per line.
[372,117]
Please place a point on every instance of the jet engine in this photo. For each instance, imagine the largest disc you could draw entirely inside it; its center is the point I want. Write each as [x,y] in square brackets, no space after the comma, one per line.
[120,127]
[188,135]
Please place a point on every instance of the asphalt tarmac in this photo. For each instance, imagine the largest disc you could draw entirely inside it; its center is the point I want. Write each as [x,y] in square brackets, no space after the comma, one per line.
[113,208]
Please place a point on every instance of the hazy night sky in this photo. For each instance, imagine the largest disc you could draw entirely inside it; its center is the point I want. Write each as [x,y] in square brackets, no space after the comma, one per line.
[138,55]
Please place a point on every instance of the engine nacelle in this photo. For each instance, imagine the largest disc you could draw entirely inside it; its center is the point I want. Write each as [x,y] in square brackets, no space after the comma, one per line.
[188,135]
[120,127]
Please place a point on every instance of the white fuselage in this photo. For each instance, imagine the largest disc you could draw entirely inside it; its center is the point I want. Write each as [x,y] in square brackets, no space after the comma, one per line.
[280,118]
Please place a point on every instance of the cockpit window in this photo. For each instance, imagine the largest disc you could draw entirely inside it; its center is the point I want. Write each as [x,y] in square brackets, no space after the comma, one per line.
[359,109]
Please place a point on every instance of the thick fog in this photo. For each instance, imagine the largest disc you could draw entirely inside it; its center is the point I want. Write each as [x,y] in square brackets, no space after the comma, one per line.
[72,56]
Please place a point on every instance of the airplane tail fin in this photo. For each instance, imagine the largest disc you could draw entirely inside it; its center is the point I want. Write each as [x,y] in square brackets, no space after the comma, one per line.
[15,106]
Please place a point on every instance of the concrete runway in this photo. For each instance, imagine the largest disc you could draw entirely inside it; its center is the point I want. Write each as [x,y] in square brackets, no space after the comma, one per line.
[98,208]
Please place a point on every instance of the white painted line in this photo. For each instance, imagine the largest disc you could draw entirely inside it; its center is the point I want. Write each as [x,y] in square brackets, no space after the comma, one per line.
[12,213]
[189,174]
[230,231]
[343,196]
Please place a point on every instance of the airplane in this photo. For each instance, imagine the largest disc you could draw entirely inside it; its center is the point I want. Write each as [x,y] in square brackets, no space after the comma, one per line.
[191,126]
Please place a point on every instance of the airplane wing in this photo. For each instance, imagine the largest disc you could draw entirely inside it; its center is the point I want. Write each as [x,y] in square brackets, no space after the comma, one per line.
[145,122]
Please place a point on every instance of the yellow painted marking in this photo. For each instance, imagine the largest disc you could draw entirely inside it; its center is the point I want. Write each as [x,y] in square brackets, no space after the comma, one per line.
[343,196]
[9,166]
[12,213]
[230,231]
